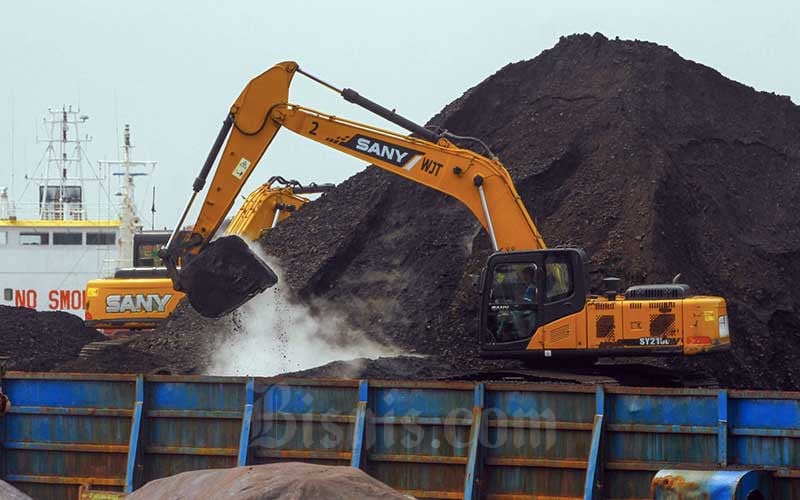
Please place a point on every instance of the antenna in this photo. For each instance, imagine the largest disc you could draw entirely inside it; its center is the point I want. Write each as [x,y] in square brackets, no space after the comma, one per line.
[153,211]
[12,146]
[128,169]
[116,123]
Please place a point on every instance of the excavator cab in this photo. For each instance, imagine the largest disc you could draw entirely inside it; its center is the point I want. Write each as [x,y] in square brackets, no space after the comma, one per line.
[523,291]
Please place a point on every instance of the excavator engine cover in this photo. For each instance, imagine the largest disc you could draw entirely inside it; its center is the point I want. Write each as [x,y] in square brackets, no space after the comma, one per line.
[223,276]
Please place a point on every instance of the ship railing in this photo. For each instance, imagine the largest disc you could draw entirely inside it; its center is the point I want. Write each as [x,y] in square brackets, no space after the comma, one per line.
[56,211]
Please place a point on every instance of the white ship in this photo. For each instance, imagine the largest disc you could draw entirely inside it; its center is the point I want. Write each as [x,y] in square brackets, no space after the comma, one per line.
[49,249]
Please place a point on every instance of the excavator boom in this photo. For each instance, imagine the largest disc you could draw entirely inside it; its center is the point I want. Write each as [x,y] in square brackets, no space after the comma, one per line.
[262,108]
[219,280]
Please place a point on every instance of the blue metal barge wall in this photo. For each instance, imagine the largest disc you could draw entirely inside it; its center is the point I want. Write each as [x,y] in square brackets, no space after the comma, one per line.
[431,439]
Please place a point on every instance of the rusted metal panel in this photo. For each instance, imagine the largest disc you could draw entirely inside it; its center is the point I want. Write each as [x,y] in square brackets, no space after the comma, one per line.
[534,482]
[576,407]
[308,422]
[405,476]
[190,423]
[786,488]
[66,431]
[651,409]
[47,390]
[764,431]
[661,447]
[418,437]
[538,441]
[158,466]
[673,428]
[626,483]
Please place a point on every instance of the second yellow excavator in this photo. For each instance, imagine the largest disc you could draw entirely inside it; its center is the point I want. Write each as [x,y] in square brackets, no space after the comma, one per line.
[141,297]
[534,301]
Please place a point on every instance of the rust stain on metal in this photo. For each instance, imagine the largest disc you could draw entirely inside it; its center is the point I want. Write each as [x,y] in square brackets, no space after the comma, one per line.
[70,376]
[185,450]
[85,492]
[303,454]
[435,494]
[422,384]
[305,382]
[537,387]
[418,459]
[677,484]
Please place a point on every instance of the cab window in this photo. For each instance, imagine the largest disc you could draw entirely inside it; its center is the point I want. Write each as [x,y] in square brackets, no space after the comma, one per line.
[558,278]
[513,295]
[147,255]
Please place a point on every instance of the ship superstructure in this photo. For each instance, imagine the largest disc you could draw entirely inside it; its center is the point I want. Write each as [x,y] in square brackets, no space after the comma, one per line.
[50,248]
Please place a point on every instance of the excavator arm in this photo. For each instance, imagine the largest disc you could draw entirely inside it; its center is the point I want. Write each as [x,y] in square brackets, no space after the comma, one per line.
[482,184]
[262,108]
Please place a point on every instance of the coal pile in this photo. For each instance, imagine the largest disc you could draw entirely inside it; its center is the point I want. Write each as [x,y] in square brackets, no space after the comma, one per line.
[654,164]
[38,341]
[387,368]
[121,359]
[183,344]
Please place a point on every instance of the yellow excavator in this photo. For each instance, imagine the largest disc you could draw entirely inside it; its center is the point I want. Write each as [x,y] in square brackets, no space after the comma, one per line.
[535,301]
[141,297]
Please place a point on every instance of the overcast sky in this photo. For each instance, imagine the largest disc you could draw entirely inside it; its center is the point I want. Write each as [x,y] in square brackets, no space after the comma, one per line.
[172,68]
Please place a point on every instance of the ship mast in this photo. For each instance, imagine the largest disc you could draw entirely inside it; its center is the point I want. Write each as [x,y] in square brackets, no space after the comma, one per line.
[130,224]
[62,187]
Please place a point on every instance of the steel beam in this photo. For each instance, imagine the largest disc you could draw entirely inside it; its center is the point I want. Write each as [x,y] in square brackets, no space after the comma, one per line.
[133,442]
[357,457]
[589,485]
[247,418]
[477,436]
[722,428]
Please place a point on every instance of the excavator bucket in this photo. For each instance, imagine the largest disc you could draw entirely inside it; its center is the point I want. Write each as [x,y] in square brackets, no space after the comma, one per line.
[223,276]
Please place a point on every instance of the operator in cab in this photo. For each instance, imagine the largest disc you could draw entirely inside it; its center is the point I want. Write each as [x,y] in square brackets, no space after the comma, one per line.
[513,301]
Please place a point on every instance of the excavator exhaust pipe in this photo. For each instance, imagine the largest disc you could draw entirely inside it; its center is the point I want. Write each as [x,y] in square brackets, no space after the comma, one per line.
[223,276]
